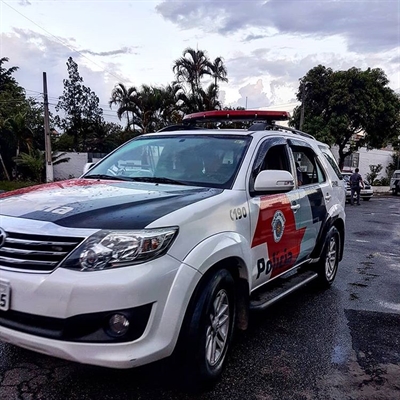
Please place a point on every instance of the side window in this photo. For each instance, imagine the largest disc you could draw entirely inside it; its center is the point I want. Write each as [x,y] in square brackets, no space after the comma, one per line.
[308,168]
[273,154]
[331,159]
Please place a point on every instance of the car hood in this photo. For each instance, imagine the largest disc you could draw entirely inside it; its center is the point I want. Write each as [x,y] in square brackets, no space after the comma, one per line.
[84,203]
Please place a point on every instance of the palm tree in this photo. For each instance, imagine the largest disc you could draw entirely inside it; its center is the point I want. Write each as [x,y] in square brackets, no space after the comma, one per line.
[191,67]
[126,100]
[218,71]
[210,98]
[23,134]
[34,161]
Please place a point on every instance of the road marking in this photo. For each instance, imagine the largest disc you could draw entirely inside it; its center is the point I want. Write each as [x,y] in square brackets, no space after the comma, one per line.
[362,241]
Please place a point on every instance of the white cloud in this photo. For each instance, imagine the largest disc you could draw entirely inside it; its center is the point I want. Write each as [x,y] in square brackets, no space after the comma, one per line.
[266,45]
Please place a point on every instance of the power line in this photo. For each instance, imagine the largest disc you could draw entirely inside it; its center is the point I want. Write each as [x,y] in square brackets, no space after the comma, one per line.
[59,40]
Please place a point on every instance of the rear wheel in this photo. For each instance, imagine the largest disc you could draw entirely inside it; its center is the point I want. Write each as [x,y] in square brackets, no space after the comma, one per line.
[328,264]
[208,329]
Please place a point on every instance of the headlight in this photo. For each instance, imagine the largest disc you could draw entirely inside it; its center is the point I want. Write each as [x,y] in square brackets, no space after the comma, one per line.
[112,249]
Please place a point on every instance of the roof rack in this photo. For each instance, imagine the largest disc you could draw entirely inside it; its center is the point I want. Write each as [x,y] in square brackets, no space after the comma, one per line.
[179,127]
[293,130]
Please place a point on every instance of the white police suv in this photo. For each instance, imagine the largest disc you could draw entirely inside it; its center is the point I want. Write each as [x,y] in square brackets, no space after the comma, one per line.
[165,245]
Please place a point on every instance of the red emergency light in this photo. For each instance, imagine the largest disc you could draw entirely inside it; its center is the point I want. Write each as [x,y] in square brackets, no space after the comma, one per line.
[235,115]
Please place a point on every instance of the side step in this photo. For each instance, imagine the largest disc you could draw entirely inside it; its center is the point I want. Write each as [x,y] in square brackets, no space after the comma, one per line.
[279,288]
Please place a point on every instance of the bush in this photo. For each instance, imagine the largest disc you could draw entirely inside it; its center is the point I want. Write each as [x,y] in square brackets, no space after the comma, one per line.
[382,182]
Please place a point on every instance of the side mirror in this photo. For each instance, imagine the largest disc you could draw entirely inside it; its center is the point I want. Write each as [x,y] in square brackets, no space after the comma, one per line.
[274,181]
[87,166]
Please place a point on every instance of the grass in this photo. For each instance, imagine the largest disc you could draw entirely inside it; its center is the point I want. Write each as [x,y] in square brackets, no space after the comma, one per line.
[12,185]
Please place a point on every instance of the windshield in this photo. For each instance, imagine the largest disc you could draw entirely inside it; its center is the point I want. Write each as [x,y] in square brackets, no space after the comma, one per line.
[199,160]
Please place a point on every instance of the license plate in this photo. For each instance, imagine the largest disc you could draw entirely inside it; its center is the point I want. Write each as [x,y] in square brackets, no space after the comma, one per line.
[4,295]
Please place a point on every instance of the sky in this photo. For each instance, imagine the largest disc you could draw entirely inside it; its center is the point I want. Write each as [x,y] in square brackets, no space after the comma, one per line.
[267,45]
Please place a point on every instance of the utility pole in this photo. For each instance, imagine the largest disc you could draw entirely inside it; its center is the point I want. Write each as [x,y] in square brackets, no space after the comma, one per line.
[49,162]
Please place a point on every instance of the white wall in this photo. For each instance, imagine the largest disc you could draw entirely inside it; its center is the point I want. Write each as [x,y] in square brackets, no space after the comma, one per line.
[374,157]
[73,168]
[370,157]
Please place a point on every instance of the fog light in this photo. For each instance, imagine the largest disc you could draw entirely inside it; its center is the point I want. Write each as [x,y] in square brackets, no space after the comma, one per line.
[118,324]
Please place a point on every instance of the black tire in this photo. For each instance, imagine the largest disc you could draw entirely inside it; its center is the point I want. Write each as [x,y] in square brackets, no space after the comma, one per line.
[207,331]
[327,266]
[366,198]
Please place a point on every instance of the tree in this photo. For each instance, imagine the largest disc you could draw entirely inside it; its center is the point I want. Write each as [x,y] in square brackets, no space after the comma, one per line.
[21,131]
[349,109]
[374,172]
[81,107]
[219,71]
[12,103]
[191,67]
[125,99]
[201,100]
[33,163]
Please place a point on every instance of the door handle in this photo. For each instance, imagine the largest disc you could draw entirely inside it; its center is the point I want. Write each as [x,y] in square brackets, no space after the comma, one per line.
[295,207]
[328,197]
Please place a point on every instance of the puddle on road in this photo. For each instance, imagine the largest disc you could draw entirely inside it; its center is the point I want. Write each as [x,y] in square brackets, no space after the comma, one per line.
[390,306]
[339,355]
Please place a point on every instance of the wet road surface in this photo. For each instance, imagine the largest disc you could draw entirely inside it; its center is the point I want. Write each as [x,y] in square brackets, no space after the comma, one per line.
[343,343]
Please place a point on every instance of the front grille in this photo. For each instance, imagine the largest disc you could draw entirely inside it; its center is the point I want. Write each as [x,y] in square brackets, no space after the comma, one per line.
[39,253]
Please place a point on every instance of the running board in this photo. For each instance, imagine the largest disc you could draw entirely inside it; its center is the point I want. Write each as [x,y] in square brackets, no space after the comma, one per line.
[277,290]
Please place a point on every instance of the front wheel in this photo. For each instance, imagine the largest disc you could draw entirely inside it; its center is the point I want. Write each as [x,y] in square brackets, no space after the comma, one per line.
[328,264]
[208,329]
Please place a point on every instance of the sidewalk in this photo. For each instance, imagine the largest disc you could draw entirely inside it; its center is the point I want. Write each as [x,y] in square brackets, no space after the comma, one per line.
[381,190]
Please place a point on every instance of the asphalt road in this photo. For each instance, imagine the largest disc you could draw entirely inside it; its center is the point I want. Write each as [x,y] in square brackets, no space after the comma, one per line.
[343,343]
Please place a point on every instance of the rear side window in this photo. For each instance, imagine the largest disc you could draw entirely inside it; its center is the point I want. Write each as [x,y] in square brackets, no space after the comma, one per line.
[309,169]
[331,160]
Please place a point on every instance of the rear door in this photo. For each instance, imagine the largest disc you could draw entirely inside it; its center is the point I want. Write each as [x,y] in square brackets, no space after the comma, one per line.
[278,222]
[316,195]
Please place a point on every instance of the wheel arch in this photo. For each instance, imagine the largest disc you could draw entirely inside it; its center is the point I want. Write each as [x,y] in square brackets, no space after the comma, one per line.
[338,223]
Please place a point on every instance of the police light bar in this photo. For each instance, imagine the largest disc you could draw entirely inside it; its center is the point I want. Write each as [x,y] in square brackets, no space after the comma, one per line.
[235,115]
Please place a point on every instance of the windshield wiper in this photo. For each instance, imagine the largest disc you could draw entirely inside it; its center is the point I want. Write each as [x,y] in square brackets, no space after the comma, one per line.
[150,179]
[106,177]
[155,179]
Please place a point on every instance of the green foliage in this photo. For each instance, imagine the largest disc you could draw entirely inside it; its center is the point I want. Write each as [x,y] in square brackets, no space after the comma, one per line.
[373,174]
[350,109]
[18,122]
[147,109]
[81,108]
[33,163]
[382,182]
[394,164]
[13,185]
[189,71]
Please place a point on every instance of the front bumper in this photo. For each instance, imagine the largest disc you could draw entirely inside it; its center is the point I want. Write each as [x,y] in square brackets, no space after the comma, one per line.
[163,286]
[364,194]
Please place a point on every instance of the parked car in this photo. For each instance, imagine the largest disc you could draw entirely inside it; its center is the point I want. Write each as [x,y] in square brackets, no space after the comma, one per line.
[395,182]
[164,246]
[366,193]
